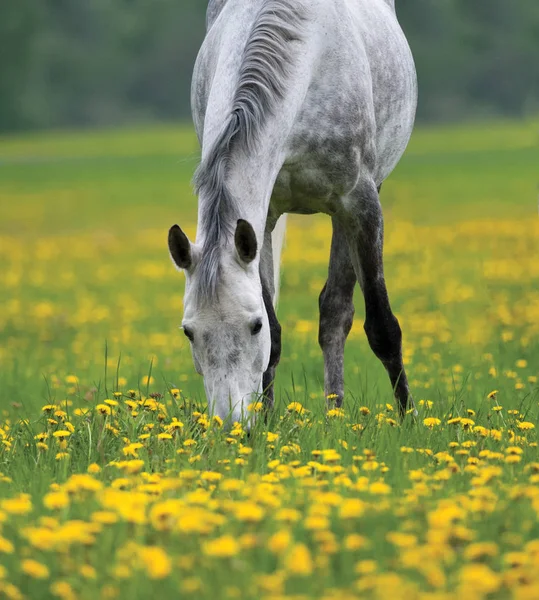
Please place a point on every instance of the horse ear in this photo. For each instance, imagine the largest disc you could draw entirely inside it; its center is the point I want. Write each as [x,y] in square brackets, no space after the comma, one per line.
[245,240]
[179,247]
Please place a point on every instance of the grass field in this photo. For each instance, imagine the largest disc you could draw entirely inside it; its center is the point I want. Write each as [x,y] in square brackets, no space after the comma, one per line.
[115,484]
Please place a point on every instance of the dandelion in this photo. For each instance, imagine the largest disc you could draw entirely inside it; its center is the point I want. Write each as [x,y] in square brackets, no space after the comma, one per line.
[104,409]
[132,449]
[217,421]
[299,561]
[34,569]
[525,426]
[279,541]
[248,512]
[20,505]
[479,579]
[480,551]
[223,547]
[355,542]
[366,567]
[156,562]
[296,407]
[336,413]
[6,547]
[352,508]
[56,500]
[431,422]
[379,488]
[88,572]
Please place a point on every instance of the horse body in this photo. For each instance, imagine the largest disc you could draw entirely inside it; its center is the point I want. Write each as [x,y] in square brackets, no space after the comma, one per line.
[300,107]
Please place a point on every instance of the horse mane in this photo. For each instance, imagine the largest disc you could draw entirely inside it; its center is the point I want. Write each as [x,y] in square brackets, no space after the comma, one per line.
[261,85]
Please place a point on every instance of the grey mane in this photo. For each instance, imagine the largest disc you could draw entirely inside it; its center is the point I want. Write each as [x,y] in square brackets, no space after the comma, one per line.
[261,84]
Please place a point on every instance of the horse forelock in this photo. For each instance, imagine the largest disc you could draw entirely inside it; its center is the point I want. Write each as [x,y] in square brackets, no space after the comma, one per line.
[261,85]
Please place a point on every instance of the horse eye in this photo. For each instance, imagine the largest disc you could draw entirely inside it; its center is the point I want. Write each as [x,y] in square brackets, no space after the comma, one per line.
[257,326]
[188,334]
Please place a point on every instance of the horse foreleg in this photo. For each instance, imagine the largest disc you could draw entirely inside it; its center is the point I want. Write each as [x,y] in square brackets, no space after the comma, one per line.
[336,314]
[268,293]
[364,226]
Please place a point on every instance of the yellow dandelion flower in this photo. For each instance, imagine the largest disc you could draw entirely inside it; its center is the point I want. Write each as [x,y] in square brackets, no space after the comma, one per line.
[480,550]
[525,426]
[6,547]
[104,409]
[156,562]
[370,465]
[479,579]
[88,572]
[34,569]
[379,488]
[296,407]
[355,542]
[56,500]
[492,395]
[336,413]
[316,523]
[20,505]
[366,567]
[223,547]
[299,561]
[279,542]
[351,508]
[63,590]
[248,512]
[431,422]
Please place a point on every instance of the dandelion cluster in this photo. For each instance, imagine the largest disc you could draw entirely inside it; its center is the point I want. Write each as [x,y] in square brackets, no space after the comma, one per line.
[114,480]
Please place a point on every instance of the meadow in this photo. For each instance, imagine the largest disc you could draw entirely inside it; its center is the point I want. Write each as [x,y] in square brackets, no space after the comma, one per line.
[114,482]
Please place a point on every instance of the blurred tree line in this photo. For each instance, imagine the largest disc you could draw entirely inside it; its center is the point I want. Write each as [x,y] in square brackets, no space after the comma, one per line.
[101,62]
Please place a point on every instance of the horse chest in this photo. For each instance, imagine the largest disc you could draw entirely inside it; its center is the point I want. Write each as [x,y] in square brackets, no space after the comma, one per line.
[315,180]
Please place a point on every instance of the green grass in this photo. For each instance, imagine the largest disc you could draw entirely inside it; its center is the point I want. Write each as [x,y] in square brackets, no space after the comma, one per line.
[90,304]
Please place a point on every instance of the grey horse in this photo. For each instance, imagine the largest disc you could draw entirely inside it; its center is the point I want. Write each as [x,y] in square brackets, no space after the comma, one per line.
[301,106]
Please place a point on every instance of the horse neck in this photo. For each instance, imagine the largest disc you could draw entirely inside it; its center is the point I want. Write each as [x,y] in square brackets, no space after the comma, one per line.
[257,82]
[251,171]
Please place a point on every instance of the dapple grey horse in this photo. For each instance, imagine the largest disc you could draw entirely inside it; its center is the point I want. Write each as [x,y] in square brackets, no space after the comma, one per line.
[301,106]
